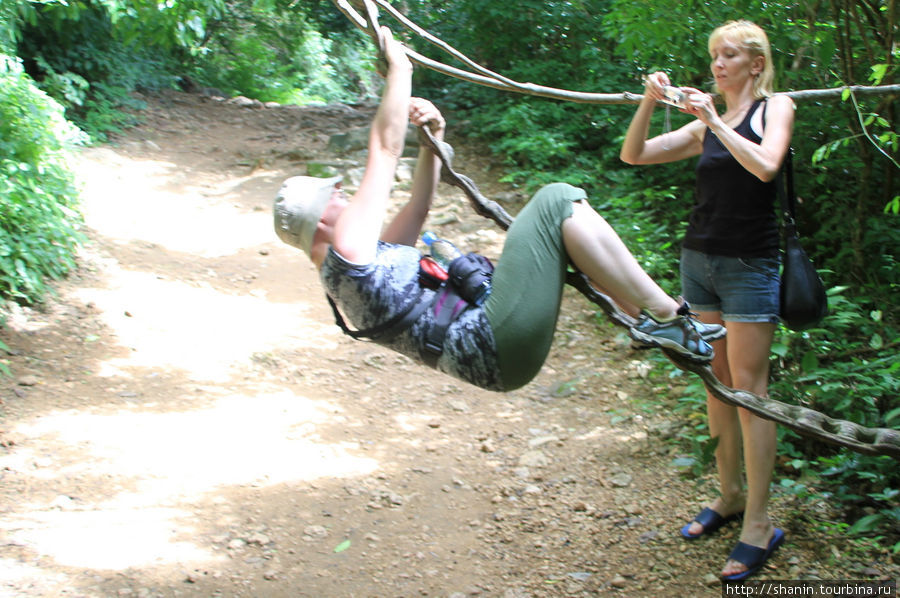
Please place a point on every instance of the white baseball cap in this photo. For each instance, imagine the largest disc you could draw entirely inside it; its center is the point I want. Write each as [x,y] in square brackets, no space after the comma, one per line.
[298,208]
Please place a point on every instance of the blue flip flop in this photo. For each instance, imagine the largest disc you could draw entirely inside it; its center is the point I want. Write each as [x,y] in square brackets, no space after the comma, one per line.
[753,557]
[710,520]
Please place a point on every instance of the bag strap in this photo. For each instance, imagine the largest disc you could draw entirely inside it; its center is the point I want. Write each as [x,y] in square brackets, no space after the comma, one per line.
[448,306]
[388,329]
[784,181]
[785,185]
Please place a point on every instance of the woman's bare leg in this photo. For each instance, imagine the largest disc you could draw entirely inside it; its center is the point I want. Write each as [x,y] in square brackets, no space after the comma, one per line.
[748,357]
[726,427]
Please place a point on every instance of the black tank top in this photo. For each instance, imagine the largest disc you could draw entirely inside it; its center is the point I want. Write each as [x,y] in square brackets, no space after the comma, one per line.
[734,213]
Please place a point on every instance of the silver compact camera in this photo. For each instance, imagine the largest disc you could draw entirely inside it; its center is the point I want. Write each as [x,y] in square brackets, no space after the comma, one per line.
[674,97]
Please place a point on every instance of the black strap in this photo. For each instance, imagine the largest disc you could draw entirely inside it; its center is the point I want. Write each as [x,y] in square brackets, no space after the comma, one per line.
[784,182]
[787,195]
[434,341]
[784,186]
[389,329]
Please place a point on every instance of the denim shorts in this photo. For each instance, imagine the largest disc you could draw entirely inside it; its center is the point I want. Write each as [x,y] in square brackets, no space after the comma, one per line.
[742,289]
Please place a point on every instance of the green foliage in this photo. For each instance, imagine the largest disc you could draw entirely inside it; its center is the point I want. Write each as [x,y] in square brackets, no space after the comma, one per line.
[528,147]
[848,369]
[672,35]
[556,44]
[848,366]
[39,225]
[90,56]
[275,53]
[857,481]
[79,57]
[7,27]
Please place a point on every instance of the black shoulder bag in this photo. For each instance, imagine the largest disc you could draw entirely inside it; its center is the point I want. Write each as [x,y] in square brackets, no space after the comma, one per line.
[803,299]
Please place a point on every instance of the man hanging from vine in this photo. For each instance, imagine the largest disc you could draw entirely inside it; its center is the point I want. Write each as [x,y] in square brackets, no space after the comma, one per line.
[374,275]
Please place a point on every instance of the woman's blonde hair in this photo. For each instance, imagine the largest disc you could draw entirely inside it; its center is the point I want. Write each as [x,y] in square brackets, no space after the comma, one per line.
[750,37]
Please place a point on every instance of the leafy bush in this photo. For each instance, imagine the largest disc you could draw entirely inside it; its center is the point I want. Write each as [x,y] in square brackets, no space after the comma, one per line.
[283,59]
[7,27]
[85,63]
[849,370]
[39,225]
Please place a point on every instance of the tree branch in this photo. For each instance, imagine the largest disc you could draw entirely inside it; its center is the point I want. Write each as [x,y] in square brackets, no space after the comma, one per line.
[487,78]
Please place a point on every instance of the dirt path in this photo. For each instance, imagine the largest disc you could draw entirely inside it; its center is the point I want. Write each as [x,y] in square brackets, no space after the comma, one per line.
[185,420]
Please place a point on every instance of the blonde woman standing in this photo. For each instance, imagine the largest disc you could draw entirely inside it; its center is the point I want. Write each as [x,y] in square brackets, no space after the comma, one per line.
[730,261]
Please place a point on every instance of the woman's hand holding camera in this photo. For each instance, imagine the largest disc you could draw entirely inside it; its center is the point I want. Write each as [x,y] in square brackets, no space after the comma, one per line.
[701,105]
[655,84]
[689,100]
